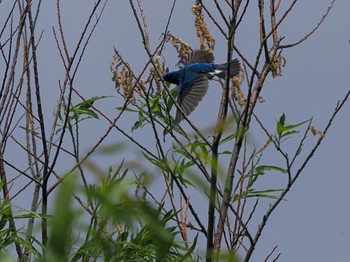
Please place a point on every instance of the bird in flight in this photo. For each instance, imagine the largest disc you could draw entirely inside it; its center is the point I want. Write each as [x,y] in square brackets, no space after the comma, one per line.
[196,69]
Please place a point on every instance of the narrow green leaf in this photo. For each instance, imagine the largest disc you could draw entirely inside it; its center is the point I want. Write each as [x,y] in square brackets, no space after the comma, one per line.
[228,138]
[260,170]
[127,109]
[190,250]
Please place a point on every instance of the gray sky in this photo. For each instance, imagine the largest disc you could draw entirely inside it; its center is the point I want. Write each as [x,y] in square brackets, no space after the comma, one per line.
[313,224]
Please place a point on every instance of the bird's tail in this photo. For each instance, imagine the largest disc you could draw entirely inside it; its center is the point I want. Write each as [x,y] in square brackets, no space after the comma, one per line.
[221,69]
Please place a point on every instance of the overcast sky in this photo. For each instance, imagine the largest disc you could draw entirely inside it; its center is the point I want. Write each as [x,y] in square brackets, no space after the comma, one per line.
[313,224]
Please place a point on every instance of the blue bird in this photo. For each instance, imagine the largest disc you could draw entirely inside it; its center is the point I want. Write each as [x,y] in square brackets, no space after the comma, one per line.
[196,69]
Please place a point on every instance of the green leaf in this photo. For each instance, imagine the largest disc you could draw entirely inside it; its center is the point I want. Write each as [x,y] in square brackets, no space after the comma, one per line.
[285,131]
[280,124]
[85,108]
[139,123]
[228,138]
[260,170]
[126,109]
[190,250]
[5,210]
[84,111]
[157,162]
[111,148]
[226,152]
[265,193]
[287,134]
[89,102]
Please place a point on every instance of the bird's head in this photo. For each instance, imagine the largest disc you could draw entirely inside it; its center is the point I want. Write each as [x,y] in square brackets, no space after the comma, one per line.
[172,77]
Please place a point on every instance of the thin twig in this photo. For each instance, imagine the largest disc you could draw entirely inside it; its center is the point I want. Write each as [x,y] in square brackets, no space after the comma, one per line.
[329,8]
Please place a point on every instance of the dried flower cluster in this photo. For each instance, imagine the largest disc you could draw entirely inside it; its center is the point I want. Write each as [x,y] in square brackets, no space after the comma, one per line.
[276,65]
[206,40]
[180,46]
[236,90]
[316,132]
[156,72]
[123,77]
[127,84]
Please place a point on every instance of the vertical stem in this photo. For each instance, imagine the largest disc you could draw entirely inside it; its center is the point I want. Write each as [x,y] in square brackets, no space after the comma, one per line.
[31,147]
[230,175]
[228,188]
[42,128]
[212,201]
[215,146]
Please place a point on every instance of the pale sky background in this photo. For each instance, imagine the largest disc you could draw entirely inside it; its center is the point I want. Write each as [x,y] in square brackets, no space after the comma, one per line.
[313,224]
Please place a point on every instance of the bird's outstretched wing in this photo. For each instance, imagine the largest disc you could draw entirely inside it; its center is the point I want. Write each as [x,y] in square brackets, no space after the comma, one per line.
[196,56]
[192,93]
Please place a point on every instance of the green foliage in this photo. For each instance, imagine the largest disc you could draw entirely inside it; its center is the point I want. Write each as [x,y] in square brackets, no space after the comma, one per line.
[5,232]
[158,103]
[8,236]
[121,228]
[5,257]
[79,112]
[285,131]
[62,223]
[258,171]
[85,109]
